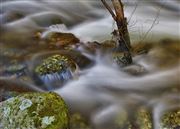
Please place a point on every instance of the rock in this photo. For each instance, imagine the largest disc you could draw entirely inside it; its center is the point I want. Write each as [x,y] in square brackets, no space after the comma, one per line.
[50,70]
[55,63]
[121,59]
[62,39]
[135,69]
[16,70]
[171,119]
[34,111]
[55,70]
[10,87]
[105,47]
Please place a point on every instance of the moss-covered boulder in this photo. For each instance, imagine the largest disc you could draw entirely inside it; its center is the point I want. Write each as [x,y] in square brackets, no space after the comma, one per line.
[34,111]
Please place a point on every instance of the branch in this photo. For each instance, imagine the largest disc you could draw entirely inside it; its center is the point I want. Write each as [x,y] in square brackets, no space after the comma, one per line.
[118,6]
[123,34]
[109,9]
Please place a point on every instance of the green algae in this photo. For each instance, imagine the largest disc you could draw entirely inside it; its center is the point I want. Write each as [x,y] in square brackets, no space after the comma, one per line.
[34,111]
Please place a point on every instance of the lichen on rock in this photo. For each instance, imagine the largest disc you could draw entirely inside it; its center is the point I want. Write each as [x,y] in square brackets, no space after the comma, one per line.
[34,111]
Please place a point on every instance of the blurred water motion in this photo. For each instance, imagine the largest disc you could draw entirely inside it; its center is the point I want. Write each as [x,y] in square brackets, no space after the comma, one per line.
[103,92]
[89,18]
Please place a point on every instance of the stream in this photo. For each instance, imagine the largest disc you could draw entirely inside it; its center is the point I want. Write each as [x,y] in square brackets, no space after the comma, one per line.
[101,92]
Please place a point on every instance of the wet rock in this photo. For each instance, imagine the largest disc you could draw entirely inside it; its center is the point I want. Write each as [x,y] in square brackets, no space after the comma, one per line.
[135,69]
[13,70]
[121,59]
[10,87]
[171,119]
[55,70]
[34,111]
[10,84]
[51,70]
[109,44]
[62,39]
[106,46]
[54,64]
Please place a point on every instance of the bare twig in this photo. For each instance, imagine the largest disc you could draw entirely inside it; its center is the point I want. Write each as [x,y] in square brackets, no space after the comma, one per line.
[132,13]
[151,27]
[123,34]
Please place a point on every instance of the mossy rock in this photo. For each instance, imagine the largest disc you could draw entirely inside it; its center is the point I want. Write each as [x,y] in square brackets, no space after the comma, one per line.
[34,111]
[55,70]
[54,64]
[171,119]
[51,70]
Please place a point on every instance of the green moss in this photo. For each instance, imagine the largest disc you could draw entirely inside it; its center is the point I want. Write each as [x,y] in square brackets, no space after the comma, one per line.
[34,111]
[53,64]
[171,119]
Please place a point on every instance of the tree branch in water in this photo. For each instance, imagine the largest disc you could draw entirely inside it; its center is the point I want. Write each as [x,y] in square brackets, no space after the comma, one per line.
[123,34]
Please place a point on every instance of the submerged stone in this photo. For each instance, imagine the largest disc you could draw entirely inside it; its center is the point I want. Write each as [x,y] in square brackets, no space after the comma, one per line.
[34,111]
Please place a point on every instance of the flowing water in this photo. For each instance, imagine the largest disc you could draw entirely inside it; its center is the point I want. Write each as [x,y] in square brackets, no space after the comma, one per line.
[102,92]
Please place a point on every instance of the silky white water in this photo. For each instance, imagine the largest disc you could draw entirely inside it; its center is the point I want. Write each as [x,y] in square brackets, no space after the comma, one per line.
[104,91]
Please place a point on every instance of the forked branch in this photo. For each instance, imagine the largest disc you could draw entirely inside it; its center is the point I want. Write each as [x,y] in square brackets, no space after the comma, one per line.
[123,34]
